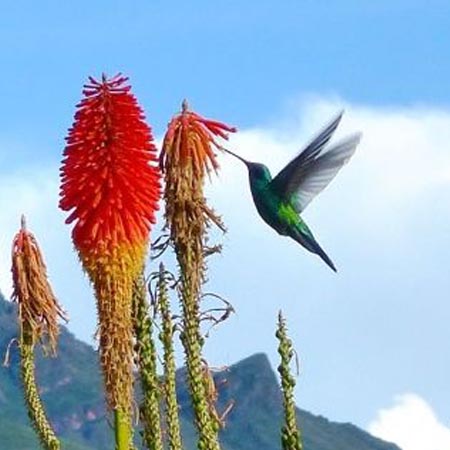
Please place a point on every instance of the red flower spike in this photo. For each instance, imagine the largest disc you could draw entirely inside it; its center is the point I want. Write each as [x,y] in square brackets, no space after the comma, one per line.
[107,179]
[111,187]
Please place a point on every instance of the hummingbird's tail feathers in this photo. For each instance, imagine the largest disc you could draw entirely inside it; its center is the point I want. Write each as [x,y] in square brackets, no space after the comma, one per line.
[308,242]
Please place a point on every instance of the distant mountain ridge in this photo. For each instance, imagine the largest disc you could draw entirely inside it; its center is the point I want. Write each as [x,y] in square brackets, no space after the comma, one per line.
[71,389]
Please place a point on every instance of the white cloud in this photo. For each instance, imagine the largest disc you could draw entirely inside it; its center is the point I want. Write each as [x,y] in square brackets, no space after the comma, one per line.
[30,192]
[412,424]
[403,151]
[369,221]
[402,157]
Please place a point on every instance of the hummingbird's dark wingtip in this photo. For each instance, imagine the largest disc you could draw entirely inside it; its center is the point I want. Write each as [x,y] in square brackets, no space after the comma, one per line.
[340,114]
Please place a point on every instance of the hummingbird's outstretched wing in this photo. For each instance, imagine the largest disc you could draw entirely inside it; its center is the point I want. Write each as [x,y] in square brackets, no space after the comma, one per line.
[313,169]
[309,152]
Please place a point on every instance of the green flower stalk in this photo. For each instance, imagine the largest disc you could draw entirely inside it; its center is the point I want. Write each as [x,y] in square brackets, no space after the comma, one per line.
[290,433]
[166,338]
[146,359]
[38,320]
[187,156]
[35,408]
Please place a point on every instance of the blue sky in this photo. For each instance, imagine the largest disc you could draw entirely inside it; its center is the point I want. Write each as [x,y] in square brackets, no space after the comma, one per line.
[373,336]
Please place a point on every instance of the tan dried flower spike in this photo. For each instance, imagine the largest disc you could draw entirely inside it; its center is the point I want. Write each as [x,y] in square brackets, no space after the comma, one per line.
[39,309]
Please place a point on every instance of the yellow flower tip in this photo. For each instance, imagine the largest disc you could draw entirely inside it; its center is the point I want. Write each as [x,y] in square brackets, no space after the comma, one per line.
[113,274]
[124,262]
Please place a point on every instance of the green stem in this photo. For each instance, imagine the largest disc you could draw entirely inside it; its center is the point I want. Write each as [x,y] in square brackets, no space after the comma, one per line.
[36,411]
[290,433]
[166,337]
[146,357]
[192,340]
[122,429]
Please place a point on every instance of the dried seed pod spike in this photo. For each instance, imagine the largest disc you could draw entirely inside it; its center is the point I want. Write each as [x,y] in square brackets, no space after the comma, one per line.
[38,318]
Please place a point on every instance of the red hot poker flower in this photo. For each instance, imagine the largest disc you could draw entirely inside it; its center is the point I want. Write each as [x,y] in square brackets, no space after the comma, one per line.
[111,186]
[108,181]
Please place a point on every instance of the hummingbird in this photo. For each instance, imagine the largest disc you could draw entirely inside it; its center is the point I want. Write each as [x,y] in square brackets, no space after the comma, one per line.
[281,200]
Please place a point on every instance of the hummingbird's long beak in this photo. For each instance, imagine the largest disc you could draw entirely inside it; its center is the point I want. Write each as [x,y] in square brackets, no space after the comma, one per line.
[234,154]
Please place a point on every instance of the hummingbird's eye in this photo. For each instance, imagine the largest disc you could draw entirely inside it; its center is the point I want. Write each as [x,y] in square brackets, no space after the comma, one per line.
[259,171]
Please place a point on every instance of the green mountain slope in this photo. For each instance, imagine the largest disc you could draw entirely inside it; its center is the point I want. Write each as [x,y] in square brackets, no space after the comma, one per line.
[71,390]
